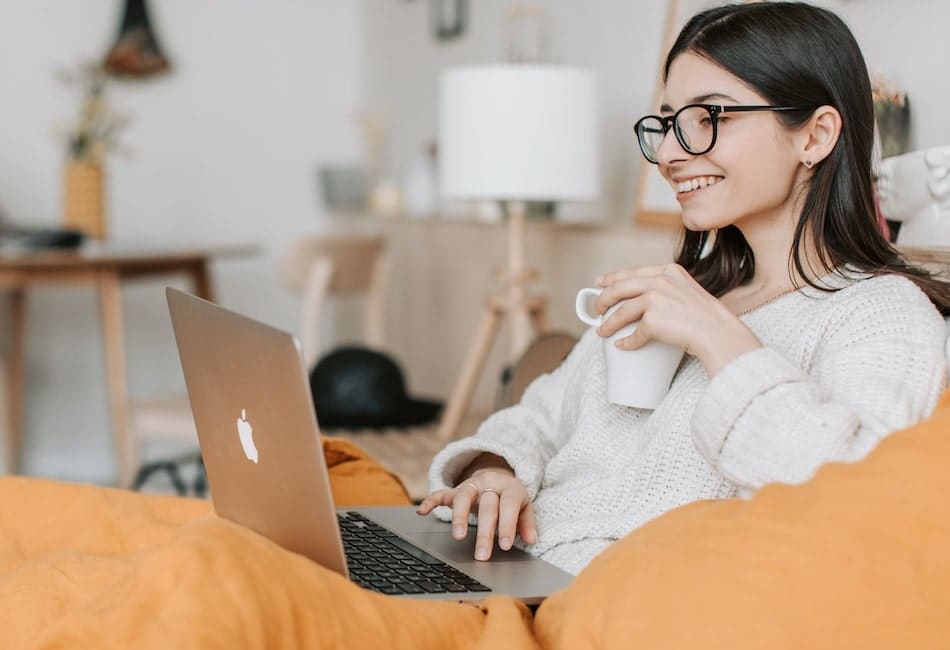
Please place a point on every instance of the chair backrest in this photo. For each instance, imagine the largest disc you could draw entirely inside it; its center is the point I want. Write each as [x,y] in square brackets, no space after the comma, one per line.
[542,356]
[337,265]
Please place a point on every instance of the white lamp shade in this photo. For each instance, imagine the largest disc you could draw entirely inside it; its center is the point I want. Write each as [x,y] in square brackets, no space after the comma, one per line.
[518,132]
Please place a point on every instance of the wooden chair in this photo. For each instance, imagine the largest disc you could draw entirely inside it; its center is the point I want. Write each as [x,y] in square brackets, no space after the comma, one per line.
[320,268]
[337,266]
[543,355]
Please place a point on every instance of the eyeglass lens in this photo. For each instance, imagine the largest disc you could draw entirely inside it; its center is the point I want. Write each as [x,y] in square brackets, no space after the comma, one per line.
[693,126]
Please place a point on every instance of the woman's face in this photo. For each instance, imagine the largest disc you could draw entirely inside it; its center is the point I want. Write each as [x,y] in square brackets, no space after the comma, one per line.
[750,174]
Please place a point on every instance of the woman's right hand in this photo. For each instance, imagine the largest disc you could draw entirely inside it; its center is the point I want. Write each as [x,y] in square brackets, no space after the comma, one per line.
[501,503]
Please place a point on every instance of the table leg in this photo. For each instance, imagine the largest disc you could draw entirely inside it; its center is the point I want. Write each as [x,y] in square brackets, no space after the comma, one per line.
[201,280]
[15,379]
[113,338]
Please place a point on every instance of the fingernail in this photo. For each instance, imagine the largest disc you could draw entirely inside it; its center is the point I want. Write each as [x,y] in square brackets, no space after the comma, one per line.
[621,344]
[458,532]
[481,553]
[505,543]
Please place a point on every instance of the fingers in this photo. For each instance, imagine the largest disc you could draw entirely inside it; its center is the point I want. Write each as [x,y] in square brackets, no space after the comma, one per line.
[436,499]
[509,510]
[628,283]
[629,312]
[527,525]
[626,289]
[461,499]
[487,520]
[504,512]
[464,499]
[607,279]
[642,335]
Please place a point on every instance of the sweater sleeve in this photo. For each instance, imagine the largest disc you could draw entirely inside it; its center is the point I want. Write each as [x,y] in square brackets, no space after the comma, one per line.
[881,367]
[526,435]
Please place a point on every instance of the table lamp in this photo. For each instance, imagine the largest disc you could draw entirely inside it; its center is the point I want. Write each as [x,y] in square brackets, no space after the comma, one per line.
[514,133]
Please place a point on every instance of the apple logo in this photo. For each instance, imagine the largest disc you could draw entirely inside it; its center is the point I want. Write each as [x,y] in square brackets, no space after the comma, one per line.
[246,433]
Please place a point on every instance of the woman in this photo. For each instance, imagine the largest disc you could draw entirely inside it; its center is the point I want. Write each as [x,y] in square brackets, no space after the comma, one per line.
[808,338]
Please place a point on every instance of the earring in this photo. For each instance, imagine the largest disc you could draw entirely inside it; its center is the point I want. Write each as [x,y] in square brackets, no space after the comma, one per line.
[808,164]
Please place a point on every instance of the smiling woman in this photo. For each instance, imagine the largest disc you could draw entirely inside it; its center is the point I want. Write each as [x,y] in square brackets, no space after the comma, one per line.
[788,302]
[655,202]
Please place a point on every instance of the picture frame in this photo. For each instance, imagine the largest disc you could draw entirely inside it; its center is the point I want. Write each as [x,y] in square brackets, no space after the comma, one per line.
[656,203]
[449,18]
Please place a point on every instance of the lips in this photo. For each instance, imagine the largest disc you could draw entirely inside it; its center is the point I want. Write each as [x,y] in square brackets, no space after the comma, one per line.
[694,183]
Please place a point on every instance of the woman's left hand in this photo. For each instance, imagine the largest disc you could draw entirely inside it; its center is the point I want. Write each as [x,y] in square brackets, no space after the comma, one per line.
[673,308]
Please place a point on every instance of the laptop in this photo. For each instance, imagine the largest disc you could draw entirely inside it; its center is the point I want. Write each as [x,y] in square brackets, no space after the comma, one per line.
[260,442]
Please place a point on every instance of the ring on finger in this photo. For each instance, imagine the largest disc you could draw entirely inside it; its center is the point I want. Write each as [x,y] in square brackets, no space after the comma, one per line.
[477,489]
[492,490]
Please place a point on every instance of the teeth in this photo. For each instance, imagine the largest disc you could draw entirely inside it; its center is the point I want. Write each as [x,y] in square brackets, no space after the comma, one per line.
[697,183]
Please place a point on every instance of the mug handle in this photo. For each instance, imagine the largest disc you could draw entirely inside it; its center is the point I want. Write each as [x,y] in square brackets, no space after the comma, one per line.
[580,306]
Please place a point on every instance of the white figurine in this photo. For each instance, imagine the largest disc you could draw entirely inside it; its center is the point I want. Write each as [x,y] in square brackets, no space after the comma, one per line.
[914,188]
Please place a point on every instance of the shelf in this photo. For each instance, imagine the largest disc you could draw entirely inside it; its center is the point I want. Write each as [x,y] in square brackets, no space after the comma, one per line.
[926,255]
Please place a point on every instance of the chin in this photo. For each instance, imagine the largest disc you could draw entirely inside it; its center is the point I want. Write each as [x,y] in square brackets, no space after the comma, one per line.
[700,222]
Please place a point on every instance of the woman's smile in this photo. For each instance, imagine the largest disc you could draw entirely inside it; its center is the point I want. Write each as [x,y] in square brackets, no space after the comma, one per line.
[688,187]
[695,183]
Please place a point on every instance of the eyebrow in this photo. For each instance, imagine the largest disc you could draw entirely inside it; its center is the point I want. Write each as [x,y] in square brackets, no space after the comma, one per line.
[700,99]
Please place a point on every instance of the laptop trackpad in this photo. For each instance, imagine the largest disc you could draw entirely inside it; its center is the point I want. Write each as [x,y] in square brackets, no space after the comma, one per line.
[456,551]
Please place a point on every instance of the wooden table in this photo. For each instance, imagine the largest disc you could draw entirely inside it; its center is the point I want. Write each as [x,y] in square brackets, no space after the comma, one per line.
[105,267]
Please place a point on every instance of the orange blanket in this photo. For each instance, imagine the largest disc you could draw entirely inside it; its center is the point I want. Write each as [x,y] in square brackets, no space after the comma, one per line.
[85,566]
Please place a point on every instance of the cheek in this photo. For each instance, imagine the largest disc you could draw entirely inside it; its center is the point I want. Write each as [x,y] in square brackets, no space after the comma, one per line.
[753,185]
[762,184]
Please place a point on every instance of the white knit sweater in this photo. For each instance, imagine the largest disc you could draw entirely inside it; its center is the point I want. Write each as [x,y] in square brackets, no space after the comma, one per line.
[837,372]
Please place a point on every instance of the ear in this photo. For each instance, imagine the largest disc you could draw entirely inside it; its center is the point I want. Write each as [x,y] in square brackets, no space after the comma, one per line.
[820,135]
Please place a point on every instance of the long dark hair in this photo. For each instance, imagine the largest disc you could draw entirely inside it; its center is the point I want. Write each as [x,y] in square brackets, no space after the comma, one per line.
[794,54]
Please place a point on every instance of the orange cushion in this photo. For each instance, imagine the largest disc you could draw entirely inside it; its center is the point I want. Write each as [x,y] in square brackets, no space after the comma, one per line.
[358,480]
[83,566]
[859,557]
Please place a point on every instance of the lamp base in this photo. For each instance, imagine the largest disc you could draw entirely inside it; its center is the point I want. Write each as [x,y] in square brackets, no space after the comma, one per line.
[528,312]
[496,308]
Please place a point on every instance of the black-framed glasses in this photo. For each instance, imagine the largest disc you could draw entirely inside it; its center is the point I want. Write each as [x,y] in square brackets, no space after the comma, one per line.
[695,127]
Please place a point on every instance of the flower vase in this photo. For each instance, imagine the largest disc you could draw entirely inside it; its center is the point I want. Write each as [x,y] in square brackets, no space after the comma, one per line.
[893,124]
[84,198]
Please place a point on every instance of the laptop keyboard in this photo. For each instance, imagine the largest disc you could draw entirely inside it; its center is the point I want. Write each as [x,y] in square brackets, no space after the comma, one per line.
[382,561]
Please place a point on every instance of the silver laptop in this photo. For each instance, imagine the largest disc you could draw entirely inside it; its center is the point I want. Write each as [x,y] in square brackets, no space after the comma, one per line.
[261,446]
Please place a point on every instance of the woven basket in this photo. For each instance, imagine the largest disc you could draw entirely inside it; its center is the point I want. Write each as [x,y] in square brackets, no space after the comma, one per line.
[84,198]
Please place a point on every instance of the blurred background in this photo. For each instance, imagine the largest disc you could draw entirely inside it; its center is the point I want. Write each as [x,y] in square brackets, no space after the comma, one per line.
[289,118]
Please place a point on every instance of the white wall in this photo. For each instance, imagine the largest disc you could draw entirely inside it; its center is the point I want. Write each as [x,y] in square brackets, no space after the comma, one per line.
[620,40]
[226,149]
[908,42]
[227,145]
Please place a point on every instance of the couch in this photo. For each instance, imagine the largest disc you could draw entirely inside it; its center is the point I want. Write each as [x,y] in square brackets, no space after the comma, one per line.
[858,557]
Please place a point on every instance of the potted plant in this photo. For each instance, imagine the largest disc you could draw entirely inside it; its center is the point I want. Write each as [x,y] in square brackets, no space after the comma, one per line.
[93,134]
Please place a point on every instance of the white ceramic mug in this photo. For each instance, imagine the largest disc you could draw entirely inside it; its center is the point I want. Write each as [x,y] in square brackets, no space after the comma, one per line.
[639,378]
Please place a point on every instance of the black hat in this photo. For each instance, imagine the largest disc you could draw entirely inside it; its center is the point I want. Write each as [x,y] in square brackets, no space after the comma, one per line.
[356,387]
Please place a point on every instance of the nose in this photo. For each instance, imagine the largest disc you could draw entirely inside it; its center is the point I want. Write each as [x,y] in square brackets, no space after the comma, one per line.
[671,151]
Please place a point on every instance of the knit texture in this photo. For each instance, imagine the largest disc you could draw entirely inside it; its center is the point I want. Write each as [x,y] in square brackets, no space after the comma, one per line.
[837,372]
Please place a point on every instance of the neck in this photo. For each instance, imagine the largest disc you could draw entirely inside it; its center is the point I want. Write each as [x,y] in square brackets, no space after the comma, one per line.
[771,240]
